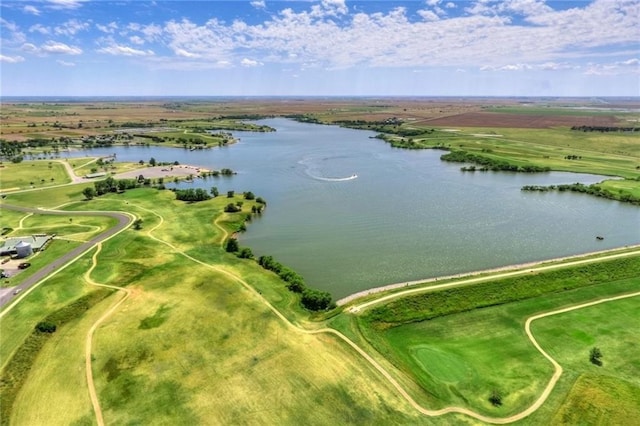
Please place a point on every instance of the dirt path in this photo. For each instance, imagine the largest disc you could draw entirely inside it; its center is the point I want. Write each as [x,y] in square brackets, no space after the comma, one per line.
[72,174]
[95,402]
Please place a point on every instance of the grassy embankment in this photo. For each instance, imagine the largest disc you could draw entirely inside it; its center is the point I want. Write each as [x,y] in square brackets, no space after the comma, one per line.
[448,350]
[188,330]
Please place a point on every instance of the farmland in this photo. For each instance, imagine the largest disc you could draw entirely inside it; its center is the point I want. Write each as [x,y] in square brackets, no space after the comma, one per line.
[184,318]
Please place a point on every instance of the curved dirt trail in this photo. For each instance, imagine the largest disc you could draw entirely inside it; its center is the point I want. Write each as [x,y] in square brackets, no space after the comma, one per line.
[95,402]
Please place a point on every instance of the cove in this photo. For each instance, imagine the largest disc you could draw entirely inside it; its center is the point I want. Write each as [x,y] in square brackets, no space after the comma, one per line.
[350,213]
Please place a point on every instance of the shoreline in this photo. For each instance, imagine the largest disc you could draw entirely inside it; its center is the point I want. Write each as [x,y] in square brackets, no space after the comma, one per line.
[350,298]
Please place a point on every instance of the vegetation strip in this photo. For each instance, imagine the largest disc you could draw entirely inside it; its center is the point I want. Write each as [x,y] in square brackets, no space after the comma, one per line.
[17,369]
[460,299]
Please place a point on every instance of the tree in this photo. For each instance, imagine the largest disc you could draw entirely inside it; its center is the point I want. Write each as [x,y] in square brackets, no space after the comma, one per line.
[495,399]
[245,253]
[315,300]
[214,191]
[152,162]
[594,356]
[232,245]
[46,327]
[137,224]
[230,194]
[89,193]
[249,195]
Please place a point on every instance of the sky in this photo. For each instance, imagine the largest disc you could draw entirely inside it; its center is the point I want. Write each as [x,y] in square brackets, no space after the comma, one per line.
[320,48]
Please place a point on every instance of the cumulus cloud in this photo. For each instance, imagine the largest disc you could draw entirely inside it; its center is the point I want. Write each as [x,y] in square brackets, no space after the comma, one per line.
[259,4]
[11,59]
[71,28]
[110,28]
[65,63]
[39,28]
[57,48]
[250,63]
[629,66]
[31,10]
[64,4]
[119,50]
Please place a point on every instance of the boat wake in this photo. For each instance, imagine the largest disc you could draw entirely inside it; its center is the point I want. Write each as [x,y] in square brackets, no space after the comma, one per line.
[333,179]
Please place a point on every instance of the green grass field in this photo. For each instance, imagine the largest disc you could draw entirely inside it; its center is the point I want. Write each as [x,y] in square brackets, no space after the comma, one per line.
[459,359]
[32,174]
[187,331]
[197,341]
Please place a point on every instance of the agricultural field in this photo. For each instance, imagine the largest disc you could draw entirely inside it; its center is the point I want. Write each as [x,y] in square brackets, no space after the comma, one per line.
[162,324]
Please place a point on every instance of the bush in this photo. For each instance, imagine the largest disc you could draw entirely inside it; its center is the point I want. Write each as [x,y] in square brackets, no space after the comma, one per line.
[316,300]
[46,327]
[232,245]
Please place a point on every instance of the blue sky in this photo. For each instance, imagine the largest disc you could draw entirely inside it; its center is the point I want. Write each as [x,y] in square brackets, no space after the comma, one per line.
[320,48]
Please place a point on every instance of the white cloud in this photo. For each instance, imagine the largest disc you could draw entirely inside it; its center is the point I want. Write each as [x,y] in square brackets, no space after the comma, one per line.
[65,63]
[118,50]
[39,28]
[136,40]
[11,59]
[71,27]
[51,47]
[57,48]
[250,63]
[11,34]
[64,4]
[110,28]
[259,4]
[450,5]
[630,66]
[31,10]
[428,15]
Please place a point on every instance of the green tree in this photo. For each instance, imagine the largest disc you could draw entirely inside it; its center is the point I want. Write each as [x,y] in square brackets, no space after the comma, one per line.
[46,327]
[232,245]
[249,195]
[495,399]
[245,253]
[315,300]
[152,162]
[594,356]
[214,191]
[89,193]
[137,224]
[230,194]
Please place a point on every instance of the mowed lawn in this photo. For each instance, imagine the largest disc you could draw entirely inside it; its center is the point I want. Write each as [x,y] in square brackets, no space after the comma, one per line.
[461,359]
[32,174]
[606,394]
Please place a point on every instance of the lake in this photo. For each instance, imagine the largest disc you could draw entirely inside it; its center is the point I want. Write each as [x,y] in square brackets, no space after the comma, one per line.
[349,212]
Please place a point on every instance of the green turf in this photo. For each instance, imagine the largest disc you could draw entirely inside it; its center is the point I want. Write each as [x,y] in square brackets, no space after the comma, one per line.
[32,174]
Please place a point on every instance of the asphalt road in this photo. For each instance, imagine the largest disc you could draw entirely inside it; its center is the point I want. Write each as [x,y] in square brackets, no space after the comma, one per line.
[123,222]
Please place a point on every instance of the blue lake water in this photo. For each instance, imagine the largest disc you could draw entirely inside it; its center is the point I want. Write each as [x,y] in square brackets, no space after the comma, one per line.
[406,216]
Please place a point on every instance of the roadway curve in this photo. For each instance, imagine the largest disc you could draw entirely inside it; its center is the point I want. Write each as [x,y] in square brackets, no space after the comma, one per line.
[124,221]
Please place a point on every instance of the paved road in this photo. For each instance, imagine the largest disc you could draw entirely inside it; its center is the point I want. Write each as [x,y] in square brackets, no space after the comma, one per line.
[123,221]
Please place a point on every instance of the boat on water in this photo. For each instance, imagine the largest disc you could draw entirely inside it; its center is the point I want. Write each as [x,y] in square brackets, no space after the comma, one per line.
[353,176]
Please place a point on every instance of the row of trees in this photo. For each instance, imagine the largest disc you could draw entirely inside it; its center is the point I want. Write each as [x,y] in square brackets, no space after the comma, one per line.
[312,299]
[604,129]
[490,163]
[593,189]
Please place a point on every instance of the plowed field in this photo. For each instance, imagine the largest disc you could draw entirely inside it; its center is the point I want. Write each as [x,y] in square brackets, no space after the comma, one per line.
[522,121]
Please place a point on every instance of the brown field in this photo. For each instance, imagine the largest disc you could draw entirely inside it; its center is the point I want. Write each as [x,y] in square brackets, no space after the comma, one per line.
[22,121]
[521,121]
